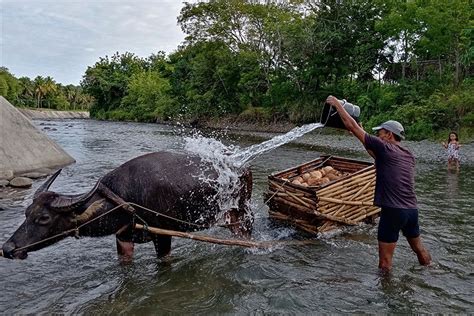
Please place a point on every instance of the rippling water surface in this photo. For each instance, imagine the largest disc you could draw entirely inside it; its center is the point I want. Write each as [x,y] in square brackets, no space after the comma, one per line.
[336,273]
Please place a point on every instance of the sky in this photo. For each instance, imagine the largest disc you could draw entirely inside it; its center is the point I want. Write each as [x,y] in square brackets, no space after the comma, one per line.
[61,38]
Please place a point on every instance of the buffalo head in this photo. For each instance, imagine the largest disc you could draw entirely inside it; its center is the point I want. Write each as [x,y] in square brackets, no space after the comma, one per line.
[47,219]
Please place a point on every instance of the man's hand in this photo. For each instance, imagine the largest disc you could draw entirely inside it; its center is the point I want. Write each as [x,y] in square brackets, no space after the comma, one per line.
[331,100]
[349,122]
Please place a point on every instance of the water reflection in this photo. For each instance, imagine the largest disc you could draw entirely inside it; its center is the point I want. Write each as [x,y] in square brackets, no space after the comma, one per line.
[452,184]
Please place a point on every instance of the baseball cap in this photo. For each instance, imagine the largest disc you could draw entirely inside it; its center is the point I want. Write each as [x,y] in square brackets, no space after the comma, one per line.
[392,126]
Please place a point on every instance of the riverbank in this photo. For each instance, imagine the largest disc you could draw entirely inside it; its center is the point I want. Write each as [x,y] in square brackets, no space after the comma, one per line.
[236,124]
[45,114]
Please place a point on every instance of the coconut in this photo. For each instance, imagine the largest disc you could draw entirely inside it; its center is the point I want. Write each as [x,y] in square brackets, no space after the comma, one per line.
[316,174]
[314,181]
[325,180]
[328,169]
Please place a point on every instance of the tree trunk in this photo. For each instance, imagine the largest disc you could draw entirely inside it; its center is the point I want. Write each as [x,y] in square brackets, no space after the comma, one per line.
[439,67]
[457,68]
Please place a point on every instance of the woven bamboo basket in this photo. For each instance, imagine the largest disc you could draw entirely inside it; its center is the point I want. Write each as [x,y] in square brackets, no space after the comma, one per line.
[317,206]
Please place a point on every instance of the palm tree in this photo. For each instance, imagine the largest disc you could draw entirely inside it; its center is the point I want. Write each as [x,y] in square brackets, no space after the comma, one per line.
[86,101]
[27,92]
[70,91]
[50,85]
[40,90]
[43,86]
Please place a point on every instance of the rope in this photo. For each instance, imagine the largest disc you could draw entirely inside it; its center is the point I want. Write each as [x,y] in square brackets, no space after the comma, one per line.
[145,224]
[67,232]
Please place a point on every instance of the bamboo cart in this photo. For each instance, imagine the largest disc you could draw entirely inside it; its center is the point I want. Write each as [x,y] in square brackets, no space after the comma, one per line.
[301,197]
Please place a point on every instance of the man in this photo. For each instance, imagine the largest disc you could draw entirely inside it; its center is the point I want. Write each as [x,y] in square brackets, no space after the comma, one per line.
[394,186]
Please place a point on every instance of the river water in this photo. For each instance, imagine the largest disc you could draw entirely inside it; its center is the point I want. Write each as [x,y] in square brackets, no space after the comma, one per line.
[337,273]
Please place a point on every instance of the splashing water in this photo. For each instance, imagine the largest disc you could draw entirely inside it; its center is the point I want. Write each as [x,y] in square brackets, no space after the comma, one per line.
[228,160]
[244,156]
[219,156]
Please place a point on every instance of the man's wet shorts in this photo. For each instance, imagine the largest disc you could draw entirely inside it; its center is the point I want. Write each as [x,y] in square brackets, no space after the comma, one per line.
[392,220]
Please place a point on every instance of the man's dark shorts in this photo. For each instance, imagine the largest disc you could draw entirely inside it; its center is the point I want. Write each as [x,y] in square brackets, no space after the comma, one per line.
[392,220]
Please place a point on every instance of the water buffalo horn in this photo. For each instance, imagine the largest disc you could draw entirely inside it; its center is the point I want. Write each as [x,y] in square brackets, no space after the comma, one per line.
[45,186]
[67,203]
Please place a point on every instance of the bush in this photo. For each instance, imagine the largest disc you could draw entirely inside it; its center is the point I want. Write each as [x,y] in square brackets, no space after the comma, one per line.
[256,115]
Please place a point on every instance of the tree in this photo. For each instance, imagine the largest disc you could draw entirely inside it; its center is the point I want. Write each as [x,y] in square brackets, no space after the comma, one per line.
[247,27]
[147,97]
[444,33]
[9,85]
[108,79]
[205,80]
[40,90]
[27,91]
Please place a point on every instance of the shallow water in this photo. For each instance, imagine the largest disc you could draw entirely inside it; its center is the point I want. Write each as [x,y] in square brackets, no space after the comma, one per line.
[335,274]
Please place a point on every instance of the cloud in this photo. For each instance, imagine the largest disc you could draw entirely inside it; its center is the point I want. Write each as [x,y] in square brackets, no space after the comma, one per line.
[62,38]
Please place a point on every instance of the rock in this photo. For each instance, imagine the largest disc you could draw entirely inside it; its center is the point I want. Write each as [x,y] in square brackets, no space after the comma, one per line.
[34,175]
[24,147]
[46,171]
[4,183]
[21,182]
[6,175]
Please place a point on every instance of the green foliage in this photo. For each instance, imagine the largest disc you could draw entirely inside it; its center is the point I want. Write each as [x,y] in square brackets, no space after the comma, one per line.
[468,120]
[147,98]
[439,113]
[206,80]
[3,86]
[9,85]
[57,101]
[42,92]
[108,79]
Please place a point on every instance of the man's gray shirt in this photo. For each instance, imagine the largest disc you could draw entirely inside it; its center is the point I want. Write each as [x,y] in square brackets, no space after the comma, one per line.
[395,174]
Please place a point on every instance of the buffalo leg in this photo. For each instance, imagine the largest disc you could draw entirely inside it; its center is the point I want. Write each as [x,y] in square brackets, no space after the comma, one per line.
[162,245]
[125,249]
[239,222]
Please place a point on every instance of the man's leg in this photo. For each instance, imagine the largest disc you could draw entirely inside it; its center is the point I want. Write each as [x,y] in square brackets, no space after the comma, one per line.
[424,257]
[386,251]
[412,234]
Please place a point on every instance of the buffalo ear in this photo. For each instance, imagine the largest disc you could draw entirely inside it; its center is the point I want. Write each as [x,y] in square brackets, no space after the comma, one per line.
[45,186]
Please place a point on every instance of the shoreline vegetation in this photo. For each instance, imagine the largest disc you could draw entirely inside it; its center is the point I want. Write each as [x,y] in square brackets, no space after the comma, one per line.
[270,65]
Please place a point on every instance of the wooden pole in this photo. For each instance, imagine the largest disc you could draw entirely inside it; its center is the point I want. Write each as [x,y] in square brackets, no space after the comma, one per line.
[361,203]
[228,242]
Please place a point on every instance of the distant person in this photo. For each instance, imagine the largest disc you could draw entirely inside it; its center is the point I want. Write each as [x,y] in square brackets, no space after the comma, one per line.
[394,186]
[452,149]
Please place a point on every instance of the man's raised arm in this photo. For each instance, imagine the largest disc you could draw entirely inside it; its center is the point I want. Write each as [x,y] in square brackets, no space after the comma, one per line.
[348,121]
